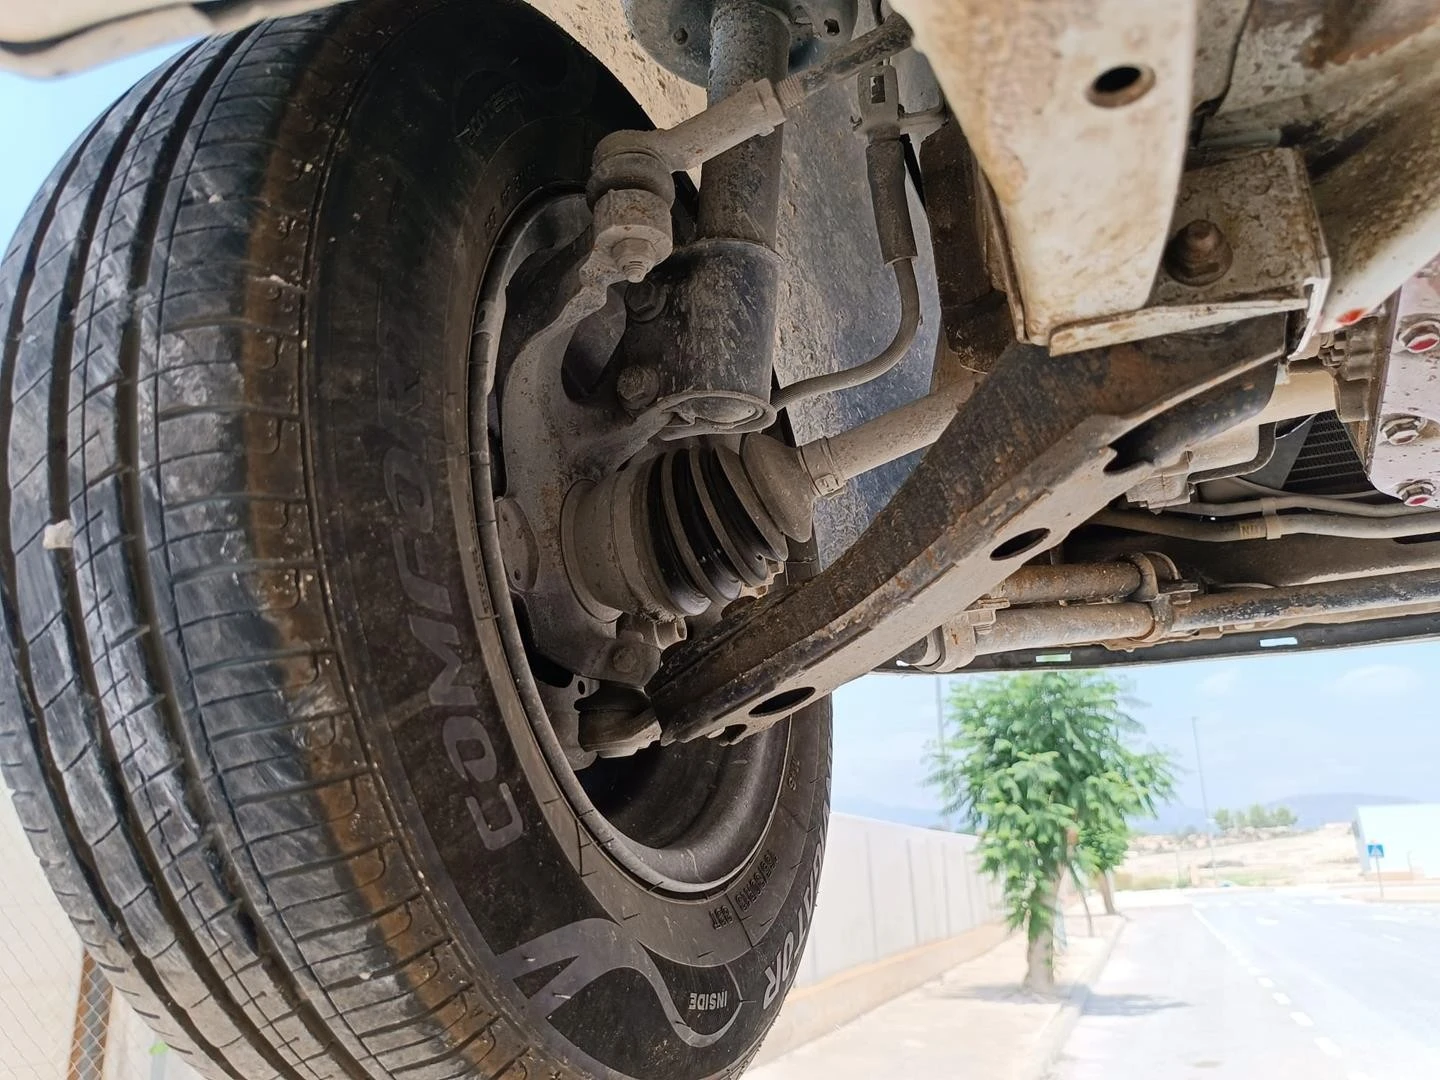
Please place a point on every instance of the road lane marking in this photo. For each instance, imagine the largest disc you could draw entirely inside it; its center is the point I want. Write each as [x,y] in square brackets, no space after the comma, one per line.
[1282,999]
[1236,953]
[1328,1047]
[1263,921]
[1268,984]
[1302,1019]
[1356,1076]
[1392,937]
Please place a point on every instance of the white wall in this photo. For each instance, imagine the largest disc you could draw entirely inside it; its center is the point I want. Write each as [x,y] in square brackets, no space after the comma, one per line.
[885,890]
[1410,833]
[39,962]
[888,888]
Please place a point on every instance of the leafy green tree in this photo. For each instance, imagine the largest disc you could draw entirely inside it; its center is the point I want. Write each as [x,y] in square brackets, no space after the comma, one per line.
[1041,766]
[1224,820]
[1283,817]
[1257,817]
[1100,852]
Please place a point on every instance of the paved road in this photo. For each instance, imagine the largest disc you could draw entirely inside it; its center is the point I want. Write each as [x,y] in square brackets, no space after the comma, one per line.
[1265,985]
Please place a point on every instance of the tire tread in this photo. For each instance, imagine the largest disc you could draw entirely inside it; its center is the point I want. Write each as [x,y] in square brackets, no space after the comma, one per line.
[232,864]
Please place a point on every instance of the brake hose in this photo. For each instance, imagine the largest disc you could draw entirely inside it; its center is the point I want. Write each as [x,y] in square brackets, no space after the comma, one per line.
[885,169]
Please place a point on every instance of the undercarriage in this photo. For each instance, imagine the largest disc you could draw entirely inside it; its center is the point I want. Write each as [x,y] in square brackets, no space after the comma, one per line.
[1134,375]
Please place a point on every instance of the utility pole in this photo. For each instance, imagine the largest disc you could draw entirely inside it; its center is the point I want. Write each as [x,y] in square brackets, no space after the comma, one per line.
[940,710]
[940,729]
[1204,799]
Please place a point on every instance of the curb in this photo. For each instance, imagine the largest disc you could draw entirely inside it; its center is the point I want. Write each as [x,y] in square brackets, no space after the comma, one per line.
[1056,1032]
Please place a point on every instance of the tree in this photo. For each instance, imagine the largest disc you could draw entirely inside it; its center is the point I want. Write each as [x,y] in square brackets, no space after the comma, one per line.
[1101,851]
[1283,817]
[1040,765]
[1257,817]
[1224,820]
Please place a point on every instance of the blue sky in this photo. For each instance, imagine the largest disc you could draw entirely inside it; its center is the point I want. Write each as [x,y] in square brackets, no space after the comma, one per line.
[39,119]
[1357,720]
[1360,720]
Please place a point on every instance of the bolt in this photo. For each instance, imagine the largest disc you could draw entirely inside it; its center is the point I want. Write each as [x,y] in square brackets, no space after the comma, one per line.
[1402,430]
[626,659]
[1420,337]
[1417,493]
[637,386]
[645,300]
[1198,254]
[634,255]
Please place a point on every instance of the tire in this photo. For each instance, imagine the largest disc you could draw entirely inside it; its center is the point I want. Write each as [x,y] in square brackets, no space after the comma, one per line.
[267,722]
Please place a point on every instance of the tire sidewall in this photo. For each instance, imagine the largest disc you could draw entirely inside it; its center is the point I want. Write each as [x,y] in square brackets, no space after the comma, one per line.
[468,114]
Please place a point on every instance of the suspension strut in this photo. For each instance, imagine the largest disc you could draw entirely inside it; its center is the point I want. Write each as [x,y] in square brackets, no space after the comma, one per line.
[725,299]
[613,559]
[710,360]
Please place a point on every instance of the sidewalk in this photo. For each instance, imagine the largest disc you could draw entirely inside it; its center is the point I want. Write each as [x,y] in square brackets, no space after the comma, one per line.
[973,1023]
[1396,892]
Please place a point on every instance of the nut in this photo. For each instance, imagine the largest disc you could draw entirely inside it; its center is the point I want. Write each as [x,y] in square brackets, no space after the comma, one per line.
[634,255]
[1402,430]
[1199,254]
[632,229]
[637,386]
[645,300]
[1417,493]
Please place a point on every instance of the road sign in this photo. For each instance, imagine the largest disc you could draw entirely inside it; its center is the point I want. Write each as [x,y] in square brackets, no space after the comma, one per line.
[1375,851]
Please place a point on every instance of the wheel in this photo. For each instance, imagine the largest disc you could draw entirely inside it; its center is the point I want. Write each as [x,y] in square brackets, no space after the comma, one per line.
[271,721]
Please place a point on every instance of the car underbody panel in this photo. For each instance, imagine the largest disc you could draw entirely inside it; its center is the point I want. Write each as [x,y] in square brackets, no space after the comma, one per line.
[1078,178]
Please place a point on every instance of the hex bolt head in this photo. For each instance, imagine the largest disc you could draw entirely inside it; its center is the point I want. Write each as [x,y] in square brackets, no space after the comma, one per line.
[1420,337]
[645,300]
[1402,430]
[1199,254]
[1417,493]
[637,386]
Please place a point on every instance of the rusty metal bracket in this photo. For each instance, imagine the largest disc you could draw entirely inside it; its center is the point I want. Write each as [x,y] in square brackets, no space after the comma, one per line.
[1258,209]
[1402,444]
[1078,116]
[1026,459]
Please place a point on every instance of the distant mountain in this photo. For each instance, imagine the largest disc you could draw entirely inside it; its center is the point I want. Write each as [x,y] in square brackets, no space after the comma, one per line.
[1316,810]
[1311,811]
[1172,818]
[873,808]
